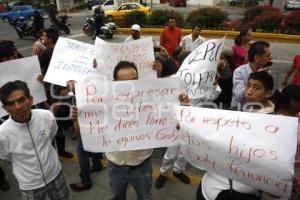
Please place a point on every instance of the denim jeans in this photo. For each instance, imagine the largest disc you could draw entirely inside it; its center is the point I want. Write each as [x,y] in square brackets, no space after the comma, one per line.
[84,163]
[140,177]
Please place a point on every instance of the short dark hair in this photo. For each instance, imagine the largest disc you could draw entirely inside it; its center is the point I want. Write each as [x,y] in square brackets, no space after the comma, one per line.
[283,99]
[172,17]
[257,48]
[10,87]
[123,65]
[264,77]
[7,49]
[52,34]
[195,26]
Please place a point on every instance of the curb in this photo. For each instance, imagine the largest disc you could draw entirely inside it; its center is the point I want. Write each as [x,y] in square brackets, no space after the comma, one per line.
[229,34]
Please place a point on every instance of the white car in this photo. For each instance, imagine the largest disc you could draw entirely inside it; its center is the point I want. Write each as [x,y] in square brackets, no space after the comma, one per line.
[107,5]
[292,4]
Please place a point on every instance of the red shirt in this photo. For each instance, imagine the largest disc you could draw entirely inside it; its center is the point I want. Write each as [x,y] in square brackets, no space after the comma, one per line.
[296,79]
[170,39]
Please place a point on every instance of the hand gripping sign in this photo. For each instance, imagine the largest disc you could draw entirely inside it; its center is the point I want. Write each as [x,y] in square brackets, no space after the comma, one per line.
[198,71]
[127,115]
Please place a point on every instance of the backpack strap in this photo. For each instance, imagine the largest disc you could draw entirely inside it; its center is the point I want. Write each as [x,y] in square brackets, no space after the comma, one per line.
[230,185]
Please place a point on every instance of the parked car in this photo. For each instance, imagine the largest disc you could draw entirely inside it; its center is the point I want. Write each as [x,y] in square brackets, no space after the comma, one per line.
[19,11]
[177,3]
[125,8]
[292,4]
[107,5]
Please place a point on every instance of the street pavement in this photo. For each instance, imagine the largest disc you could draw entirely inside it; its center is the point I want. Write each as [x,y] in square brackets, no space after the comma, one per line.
[174,190]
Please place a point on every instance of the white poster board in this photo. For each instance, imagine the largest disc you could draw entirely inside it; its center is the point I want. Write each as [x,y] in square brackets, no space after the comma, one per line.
[140,52]
[27,70]
[198,70]
[255,149]
[127,115]
[71,60]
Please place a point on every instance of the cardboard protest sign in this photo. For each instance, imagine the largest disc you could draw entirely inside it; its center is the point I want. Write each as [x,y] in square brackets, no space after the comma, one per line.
[198,70]
[254,149]
[140,52]
[127,115]
[71,60]
[27,70]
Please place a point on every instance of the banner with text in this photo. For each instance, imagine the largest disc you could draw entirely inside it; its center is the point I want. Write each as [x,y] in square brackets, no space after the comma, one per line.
[140,52]
[71,60]
[127,115]
[24,69]
[198,70]
[255,149]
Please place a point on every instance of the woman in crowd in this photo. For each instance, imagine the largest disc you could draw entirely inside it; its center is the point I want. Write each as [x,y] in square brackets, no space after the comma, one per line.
[241,47]
[225,67]
[38,47]
[294,68]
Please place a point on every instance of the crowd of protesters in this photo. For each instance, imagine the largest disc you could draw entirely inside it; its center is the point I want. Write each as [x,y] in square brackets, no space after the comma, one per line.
[27,135]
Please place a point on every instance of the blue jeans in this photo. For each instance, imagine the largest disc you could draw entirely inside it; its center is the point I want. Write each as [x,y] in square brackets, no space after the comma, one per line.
[84,163]
[140,177]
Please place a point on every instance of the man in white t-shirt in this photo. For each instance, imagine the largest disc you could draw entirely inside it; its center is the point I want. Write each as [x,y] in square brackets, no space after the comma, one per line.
[135,33]
[193,40]
[26,140]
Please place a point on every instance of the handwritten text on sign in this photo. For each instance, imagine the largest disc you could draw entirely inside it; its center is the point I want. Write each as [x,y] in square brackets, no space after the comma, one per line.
[255,149]
[27,70]
[138,51]
[71,60]
[199,69]
[127,115]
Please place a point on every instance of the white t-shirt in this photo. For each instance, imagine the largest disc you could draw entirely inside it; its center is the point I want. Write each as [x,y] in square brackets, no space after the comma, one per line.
[189,45]
[16,146]
[212,184]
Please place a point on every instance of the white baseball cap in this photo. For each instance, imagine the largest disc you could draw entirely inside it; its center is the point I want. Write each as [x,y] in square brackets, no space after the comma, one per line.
[136,27]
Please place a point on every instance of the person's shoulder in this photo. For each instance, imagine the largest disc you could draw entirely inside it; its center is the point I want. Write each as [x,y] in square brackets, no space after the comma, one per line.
[42,113]
[241,70]
[297,57]
[187,37]
[4,127]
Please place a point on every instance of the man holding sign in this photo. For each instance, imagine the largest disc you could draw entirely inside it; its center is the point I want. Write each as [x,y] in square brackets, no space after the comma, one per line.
[125,166]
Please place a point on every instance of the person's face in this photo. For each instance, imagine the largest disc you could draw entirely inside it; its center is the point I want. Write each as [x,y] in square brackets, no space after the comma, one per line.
[196,32]
[19,106]
[262,60]
[135,34]
[127,74]
[46,41]
[172,23]
[247,37]
[255,92]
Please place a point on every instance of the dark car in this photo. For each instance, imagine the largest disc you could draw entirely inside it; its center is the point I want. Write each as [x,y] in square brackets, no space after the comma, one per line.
[177,3]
